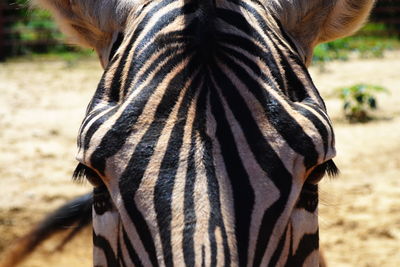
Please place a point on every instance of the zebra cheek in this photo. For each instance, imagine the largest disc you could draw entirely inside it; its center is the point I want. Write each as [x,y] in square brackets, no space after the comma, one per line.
[106,228]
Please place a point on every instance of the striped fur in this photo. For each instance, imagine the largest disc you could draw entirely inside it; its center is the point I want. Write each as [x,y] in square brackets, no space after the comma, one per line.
[206,137]
[204,129]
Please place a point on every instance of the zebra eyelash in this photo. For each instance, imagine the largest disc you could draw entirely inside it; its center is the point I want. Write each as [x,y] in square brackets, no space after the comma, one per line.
[316,175]
[79,174]
[83,172]
[331,169]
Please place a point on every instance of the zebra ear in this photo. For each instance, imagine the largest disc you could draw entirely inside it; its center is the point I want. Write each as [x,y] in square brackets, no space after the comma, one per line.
[89,23]
[344,19]
[316,21]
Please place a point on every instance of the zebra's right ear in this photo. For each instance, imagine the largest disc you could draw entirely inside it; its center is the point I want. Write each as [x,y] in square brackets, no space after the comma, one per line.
[311,22]
[90,23]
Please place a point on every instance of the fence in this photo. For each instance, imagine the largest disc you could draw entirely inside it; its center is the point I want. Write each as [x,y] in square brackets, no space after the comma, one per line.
[388,12]
[16,38]
[18,35]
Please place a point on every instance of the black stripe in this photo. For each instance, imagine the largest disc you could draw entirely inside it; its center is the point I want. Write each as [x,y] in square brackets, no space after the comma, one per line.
[268,222]
[309,86]
[138,30]
[141,60]
[279,118]
[204,35]
[273,36]
[326,118]
[132,253]
[115,138]
[267,78]
[321,128]
[298,92]
[286,36]
[250,63]
[162,23]
[279,249]
[101,90]
[117,43]
[253,49]
[189,206]
[119,249]
[116,81]
[296,89]
[88,118]
[308,244]
[203,256]
[215,219]
[131,178]
[243,194]
[265,155]
[262,21]
[96,125]
[101,243]
[166,179]
[237,20]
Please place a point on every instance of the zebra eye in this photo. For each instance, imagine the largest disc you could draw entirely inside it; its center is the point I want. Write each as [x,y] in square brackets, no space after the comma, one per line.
[308,198]
[82,171]
[101,200]
[319,172]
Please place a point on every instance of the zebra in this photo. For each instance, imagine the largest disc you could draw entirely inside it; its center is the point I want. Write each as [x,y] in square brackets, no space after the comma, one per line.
[206,137]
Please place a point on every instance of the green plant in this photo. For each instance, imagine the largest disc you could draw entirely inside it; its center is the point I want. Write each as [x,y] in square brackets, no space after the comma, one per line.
[33,31]
[359,100]
[370,42]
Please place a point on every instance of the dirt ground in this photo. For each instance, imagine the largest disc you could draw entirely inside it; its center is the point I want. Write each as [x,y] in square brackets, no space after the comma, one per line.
[41,107]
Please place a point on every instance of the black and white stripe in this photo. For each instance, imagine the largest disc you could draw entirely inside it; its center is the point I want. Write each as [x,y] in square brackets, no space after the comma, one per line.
[204,129]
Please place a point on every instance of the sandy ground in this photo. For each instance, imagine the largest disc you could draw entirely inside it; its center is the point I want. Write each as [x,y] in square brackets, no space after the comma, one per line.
[42,104]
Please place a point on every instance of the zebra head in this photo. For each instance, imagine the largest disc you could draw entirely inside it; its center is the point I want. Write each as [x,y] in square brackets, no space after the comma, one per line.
[206,137]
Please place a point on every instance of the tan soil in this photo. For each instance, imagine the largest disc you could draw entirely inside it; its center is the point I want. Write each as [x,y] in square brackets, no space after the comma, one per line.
[41,107]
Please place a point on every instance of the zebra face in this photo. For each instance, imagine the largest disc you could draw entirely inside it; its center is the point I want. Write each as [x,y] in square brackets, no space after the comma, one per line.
[206,137]
[206,131]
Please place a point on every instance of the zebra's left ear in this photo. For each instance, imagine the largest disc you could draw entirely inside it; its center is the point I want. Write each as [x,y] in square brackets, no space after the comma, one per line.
[312,22]
[90,23]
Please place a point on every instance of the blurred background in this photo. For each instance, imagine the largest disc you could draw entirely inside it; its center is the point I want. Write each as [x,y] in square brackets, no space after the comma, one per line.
[45,86]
